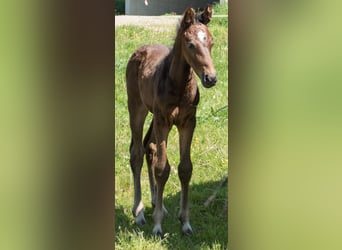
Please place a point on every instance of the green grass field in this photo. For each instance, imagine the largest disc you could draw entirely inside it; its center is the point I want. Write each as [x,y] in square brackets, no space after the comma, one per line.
[209,154]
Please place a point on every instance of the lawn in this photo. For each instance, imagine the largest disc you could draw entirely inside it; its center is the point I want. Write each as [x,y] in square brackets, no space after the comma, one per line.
[209,154]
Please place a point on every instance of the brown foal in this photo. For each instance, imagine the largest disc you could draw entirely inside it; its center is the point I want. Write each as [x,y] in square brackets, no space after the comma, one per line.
[161,80]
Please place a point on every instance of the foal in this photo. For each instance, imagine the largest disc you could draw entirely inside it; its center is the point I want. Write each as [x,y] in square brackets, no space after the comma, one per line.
[161,80]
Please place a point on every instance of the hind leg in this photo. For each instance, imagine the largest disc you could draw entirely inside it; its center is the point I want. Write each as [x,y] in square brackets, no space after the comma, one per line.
[151,159]
[137,115]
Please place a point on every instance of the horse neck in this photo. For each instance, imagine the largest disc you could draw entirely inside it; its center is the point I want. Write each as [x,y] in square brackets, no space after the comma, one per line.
[180,73]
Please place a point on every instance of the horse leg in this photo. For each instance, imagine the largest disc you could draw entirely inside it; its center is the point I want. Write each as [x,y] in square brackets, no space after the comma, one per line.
[161,172]
[137,116]
[151,159]
[185,171]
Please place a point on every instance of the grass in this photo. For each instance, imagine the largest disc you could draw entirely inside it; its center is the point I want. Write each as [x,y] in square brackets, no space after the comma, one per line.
[220,9]
[209,154]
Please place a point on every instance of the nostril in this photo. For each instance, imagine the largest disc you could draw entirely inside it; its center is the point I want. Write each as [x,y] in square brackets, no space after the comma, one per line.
[206,78]
[209,78]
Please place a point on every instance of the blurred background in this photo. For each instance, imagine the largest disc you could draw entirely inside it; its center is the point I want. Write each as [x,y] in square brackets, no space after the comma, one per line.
[285,125]
[57,117]
[159,7]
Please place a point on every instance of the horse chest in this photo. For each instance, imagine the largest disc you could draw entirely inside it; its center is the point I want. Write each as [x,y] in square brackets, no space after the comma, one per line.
[179,115]
[184,109]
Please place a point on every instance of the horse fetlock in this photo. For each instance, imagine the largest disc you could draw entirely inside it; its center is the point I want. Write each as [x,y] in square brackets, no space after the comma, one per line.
[183,217]
[184,220]
[138,213]
[165,212]
[138,208]
[157,216]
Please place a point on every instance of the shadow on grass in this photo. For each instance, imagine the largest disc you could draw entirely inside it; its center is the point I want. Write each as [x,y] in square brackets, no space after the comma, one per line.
[210,224]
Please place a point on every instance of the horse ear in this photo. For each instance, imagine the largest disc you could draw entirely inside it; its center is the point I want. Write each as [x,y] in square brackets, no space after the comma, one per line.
[188,18]
[206,15]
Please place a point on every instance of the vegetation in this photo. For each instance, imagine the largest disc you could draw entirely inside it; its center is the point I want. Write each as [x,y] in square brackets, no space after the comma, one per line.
[209,154]
[220,9]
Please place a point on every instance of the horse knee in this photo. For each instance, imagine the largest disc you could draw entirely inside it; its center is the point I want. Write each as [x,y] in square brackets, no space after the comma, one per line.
[185,170]
[162,172]
[136,156]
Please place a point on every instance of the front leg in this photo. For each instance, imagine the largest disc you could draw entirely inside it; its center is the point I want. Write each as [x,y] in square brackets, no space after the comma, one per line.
[185,171]
[161,171]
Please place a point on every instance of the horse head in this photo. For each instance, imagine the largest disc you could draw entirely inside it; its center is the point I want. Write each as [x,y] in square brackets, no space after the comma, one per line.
[196,43]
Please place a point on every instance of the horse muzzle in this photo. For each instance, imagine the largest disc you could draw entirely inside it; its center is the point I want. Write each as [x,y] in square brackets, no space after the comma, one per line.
[208,80]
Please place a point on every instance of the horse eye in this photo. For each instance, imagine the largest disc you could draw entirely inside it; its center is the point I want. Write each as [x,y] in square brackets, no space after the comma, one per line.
[191,45]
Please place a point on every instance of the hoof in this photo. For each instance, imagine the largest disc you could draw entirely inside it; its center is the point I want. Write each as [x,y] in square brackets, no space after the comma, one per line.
[140,219]
[157,231]
[186,228]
